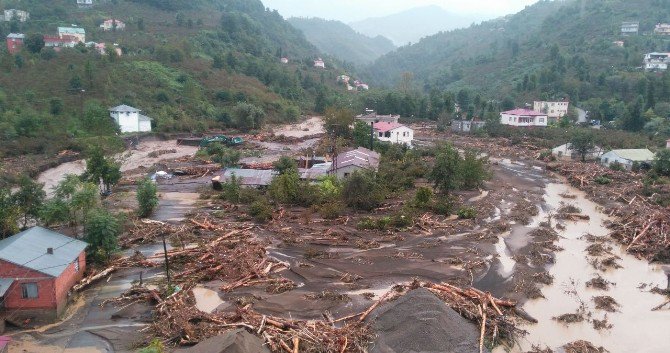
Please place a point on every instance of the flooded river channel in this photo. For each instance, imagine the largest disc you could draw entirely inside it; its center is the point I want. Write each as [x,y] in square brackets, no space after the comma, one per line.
[634,326]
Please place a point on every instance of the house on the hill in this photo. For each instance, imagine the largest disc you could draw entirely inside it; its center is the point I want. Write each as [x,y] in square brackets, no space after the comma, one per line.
[394,133]
[662,29]
[283,60]
[84,3]
[627,158]
[15,42]
[656,61]
[57,43]
[112,24]
[630,27]
[319,63]
[38,267]
[343,78]
[554,110]
[619,43]
[129,119]
[352,161]
[467,125]
[524,118]
[13,14]
[76,32]
[101,48]
[371,117]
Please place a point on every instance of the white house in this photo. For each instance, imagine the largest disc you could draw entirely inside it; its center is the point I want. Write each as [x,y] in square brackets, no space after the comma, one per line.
[567,152]
[319,63]
[343,78]
[554,110]
[13,14]
[656,61]
[630,27]
[84,3]
[619,43]
[76,32]
[662,29]
[394,133]
[359,159]
[109,25]
[371,116]
[129,119]
[628,157]
[524,117]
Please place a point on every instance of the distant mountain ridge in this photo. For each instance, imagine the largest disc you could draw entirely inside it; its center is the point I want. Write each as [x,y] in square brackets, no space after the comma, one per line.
[411,25]
[341,41]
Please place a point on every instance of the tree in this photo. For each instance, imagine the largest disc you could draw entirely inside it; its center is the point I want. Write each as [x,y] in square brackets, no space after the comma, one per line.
[147,197]
[9,215]
[445,171]
[338,122]
[101,170]
[102,232]
[582,142]
[285,165]
[54,211]
[473,170]
[362,134]
[34,43]
[662,162]
[29,199]
[248,116]
[56,106]
[362,191]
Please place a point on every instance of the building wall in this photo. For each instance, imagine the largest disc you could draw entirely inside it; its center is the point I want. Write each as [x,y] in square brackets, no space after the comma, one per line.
[345,172]
[552,109]
[71,276]
[610,157]
[396,136]
[14,45]
[145,126]
[46,288]
[128,122]
[515,120]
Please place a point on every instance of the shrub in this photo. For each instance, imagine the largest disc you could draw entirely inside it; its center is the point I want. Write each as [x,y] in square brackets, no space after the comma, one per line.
[332,210]
[230,190]
[616,166]
[423,197]
[147,197]
[362,191]
[602,180]
[467,213]
[261,210]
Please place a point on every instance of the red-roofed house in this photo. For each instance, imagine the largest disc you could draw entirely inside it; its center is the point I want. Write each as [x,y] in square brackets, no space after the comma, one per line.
[394,133]
[15,42]
[524,117]
[57,42]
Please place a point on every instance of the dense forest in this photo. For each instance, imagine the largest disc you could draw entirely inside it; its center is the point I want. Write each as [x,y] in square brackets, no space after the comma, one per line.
[190,66]
[550,50]
[339,40]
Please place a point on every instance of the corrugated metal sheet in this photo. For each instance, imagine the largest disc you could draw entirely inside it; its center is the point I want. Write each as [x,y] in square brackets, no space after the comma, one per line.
[29,249]
[5,283]
[636,155]
[250,177]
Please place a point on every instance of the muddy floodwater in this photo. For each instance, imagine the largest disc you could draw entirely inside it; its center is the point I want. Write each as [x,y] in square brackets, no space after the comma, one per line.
[634,327]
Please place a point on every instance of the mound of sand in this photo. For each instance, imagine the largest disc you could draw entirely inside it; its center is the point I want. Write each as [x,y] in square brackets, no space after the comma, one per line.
[236,341]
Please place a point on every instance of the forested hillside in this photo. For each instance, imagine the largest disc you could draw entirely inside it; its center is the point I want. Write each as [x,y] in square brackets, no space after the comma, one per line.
[551,50]
[189,65]
[339,40]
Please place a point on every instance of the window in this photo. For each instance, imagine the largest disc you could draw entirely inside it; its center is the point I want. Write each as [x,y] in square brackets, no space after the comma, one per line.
[541,120]
[381,134]
[76,265]
[29,290]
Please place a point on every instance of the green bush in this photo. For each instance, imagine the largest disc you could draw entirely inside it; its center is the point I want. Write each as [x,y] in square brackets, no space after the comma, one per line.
[467,213]
[362,191]
[332,210]
[616,166]
[261,210]
[156,346]
[147,197]
[443,206]
[423,197]
[602,180]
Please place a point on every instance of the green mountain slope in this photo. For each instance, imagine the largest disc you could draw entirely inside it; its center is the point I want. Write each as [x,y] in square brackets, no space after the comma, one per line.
[553,49]
[339,40]
[188,65]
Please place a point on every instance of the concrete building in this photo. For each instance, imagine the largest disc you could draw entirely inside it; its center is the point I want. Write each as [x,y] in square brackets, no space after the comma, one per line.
[619,43]
[319,63]
[57,43]
[13,14]
[38,267]
[662,29]
[251,178]
[360,159]
[112,24]
[129,119]
[15,42]
[394,133]
[371,116]
[630,27]
[76,32]
[524,118]
[84,3]
[628,157]
[554,110]
[283,60]
[467,125]
[656,61]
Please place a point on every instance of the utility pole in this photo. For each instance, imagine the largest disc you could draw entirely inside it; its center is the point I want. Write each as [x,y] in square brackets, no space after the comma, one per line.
[372,136]
[167,262]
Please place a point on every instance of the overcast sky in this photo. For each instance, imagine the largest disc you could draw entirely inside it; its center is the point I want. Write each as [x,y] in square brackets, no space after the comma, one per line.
[353,10]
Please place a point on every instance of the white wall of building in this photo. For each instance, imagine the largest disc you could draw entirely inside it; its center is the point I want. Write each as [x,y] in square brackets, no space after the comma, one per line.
[400,135]
[552,109]
[523,120]
[130,122]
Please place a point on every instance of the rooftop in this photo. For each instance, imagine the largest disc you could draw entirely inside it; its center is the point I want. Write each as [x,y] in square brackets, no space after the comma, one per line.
[29,249]
[385,126]
[250,177]
[16,36]
[74,30]
[524,112]
[124,109]
[360,157]
[640,155]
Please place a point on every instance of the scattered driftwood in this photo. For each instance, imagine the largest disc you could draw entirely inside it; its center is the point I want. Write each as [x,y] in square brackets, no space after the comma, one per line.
[583,347]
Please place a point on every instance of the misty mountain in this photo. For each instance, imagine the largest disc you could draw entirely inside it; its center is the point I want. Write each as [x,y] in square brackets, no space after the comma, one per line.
[341,41]
[412,25]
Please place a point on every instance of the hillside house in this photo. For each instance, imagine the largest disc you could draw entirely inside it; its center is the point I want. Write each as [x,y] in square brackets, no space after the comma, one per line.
[101,48]
[566,152]
[656,61]
[112,24]
[343,78]
[38,267]
[283,60]
[129,119]
[524,118]
[371,117]
[554,110]
[627,158]
[394,133]
[662,29]
[15,42]
[319,63]
[619,43]
[352,161]
[362,86]
[76,32]
[57,43]
[628,28]
[467,125]
[84,3]
[13,14]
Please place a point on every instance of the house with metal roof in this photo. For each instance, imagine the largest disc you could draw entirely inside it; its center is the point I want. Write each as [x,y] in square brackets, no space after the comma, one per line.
[38,267]
[627,158]
[76,32]
[130,119]
[394,133]
[349,162]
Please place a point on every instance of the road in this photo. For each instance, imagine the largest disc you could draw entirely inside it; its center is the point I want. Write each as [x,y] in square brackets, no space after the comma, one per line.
[581,115]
